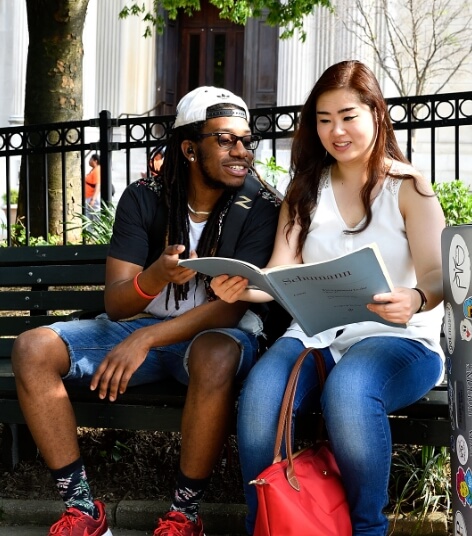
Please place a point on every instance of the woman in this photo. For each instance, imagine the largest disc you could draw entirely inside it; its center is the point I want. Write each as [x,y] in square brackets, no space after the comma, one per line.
[92,188]
[351,186]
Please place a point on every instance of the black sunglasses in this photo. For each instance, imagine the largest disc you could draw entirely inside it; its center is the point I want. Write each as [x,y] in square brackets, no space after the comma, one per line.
[227,140]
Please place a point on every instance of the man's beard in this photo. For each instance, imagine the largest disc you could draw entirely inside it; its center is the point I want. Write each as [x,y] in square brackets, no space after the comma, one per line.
[212,182]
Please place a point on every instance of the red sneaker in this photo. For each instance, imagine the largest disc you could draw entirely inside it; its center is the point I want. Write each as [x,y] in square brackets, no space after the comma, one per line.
[177,524]
[73,522]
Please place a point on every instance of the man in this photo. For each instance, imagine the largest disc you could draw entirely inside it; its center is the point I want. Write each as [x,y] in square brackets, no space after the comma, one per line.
[173,325]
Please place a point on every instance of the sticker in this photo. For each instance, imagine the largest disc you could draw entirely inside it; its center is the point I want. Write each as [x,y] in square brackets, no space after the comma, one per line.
[452,405]
[460,404]
[460,399]
[462,449]
[459,524]
[465,329]
[467,307]
[459,268]
[464,486]
[449,328]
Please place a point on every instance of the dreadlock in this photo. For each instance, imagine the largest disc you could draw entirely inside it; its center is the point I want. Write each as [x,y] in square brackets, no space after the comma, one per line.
[174,174]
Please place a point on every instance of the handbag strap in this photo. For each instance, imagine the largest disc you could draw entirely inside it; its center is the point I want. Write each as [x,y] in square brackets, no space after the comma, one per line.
[284,427]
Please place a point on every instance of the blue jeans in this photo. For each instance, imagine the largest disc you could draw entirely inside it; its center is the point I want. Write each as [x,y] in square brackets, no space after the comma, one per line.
[376,376]
[89,341]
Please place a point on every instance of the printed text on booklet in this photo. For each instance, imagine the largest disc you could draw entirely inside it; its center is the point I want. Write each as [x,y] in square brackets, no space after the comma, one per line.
[319,296]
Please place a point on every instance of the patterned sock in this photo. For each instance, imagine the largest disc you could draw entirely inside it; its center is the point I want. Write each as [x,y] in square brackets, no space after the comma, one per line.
[71,481]
[188,494]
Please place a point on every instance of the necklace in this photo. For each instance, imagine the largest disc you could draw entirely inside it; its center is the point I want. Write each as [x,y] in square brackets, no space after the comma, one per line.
[198,212]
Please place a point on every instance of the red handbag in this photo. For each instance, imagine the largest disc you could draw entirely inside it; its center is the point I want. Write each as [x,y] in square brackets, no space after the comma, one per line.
[302,495]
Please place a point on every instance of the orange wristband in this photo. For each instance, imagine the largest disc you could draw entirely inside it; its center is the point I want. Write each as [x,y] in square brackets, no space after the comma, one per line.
[137,288]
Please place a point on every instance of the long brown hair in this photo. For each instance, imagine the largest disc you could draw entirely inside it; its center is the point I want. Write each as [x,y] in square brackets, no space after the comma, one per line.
[309,157]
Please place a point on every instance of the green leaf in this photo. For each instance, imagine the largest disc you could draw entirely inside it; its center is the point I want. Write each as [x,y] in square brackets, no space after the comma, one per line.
[289,15]
[456,201]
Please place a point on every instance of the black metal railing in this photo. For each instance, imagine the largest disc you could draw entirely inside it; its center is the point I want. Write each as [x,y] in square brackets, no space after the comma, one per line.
[125,144]
[430,113]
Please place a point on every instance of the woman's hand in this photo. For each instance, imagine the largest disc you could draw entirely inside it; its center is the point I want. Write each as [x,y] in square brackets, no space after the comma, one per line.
[397,306]
[229,289]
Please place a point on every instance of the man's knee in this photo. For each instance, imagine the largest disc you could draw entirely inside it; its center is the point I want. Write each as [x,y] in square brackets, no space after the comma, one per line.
[39,348]
[215,357]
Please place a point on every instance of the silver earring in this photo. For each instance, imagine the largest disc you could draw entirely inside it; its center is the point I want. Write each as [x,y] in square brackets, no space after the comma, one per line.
[192,159]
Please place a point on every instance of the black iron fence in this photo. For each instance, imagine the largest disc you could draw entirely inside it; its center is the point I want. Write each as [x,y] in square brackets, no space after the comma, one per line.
[435,131]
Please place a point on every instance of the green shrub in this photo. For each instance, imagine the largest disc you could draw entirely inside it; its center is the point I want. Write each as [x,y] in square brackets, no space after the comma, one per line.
[270,171]
[420,481]
[98,228]
[13,197]
[95,230]
[456,201]
[18,231]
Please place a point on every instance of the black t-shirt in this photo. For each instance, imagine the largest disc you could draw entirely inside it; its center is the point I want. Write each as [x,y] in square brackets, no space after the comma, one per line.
[136,232]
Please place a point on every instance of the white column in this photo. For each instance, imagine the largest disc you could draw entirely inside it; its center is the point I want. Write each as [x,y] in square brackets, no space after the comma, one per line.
[19,51]
[302,63]
[108,52]
[14,36]
[125,68]
[89,64]
[296,66]
[138,72]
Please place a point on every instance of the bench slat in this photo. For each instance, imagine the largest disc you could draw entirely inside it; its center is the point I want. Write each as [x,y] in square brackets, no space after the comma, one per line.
[101,414]
[421,431]
[52,254]
[5,372]
[57,275]
[14,325]
[45,300]
[107,415]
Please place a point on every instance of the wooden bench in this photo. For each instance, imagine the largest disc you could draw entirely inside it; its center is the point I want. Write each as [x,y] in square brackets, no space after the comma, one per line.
[44,284]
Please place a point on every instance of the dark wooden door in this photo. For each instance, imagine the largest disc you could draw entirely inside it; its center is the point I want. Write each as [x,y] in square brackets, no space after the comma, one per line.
[211,52]
[206,50]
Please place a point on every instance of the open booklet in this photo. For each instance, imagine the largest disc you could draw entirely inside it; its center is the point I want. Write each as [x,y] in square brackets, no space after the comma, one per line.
[319,295]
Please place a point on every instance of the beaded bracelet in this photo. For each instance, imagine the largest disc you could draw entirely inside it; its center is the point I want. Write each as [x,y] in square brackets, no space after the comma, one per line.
[137,288]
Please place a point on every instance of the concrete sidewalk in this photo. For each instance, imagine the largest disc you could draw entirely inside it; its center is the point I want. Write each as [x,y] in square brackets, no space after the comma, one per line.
[138,518]
[125,518]
[42,531]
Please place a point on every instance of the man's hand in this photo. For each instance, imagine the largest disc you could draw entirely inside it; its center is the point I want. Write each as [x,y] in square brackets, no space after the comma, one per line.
[121,298]
[115,371]
[167,269]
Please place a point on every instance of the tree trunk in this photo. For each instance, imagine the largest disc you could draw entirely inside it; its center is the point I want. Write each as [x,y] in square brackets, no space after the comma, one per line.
[53,94]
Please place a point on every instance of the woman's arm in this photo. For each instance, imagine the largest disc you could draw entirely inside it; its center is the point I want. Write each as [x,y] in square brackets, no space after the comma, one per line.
[424,222]
[232,289]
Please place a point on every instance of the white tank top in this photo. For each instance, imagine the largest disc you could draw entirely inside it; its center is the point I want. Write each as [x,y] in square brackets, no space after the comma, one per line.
[326,240]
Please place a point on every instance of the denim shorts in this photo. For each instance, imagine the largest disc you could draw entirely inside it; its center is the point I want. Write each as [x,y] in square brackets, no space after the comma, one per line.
[89,341]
